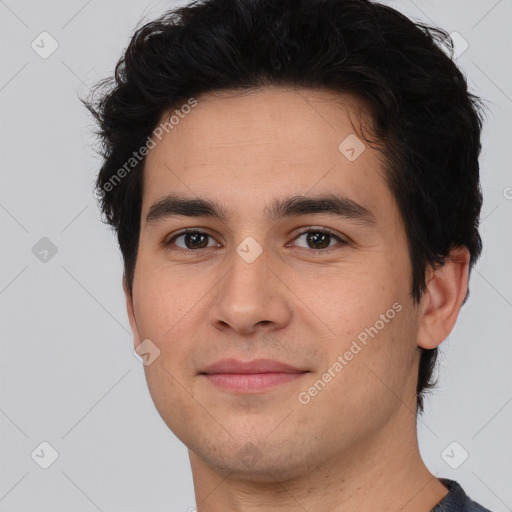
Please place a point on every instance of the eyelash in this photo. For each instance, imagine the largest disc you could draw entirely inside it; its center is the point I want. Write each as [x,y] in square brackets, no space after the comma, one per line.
[313,252]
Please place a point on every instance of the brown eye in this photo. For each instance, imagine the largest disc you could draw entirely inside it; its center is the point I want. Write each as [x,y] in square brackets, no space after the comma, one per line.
[319,240]
[192,240]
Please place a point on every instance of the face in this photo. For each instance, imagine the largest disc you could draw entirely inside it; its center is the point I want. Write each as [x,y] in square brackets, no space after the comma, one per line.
[322,286]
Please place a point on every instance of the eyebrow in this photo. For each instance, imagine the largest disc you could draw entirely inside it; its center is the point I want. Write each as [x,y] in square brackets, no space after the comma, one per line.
[337,205]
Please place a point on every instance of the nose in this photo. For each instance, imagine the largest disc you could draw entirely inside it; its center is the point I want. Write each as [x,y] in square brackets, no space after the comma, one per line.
[250,298]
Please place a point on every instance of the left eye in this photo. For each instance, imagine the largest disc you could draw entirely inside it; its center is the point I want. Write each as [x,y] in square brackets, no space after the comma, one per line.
[320,238]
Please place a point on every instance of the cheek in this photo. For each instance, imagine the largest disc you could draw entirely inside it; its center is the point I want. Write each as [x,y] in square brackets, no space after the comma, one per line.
[372,330]
[388,357]
[164,306]
[350,299]
[171,310]
[373,377]
[163,299]
[173,397]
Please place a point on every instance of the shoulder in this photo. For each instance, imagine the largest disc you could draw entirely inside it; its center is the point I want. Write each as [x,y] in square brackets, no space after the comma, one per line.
[457,500]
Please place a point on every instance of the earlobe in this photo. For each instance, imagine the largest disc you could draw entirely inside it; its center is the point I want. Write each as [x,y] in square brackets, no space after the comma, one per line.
[441,302]
[131,314]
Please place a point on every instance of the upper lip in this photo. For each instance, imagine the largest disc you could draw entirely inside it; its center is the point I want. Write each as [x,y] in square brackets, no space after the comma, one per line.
[254,366]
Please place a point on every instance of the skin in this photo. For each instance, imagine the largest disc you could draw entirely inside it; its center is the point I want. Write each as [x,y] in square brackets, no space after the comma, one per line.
[354,445]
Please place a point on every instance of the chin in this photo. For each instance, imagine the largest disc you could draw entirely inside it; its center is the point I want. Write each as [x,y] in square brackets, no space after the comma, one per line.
[268,464]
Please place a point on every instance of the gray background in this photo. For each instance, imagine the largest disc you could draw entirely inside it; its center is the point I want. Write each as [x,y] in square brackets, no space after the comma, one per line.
[68,373]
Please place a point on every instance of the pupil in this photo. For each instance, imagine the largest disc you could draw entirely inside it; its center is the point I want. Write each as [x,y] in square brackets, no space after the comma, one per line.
[195,237]
[313,237]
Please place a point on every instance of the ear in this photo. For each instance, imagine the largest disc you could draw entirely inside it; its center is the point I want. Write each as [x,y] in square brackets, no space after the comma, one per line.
[131,315]
[441,302]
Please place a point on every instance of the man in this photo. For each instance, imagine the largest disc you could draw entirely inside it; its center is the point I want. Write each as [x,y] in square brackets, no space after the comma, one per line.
[295,189]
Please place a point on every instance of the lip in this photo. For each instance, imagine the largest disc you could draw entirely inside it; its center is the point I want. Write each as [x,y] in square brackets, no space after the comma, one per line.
[250,376]
[247,367]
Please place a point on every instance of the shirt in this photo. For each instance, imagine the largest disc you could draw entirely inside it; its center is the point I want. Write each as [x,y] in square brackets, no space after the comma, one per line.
[456,500]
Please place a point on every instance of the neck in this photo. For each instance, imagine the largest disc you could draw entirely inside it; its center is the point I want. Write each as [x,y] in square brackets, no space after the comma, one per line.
[382,473]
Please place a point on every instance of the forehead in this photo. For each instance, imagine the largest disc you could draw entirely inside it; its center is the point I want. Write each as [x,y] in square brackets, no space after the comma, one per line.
[242,148]
[295,122]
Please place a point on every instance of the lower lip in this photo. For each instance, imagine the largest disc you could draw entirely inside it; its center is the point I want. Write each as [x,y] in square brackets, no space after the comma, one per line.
[251,382]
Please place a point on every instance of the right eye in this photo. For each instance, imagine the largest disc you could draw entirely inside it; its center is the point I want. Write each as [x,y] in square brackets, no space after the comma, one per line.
[192,240]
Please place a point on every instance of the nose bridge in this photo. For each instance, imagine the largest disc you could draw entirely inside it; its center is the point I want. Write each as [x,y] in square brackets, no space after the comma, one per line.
[247,283]
[249,295]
